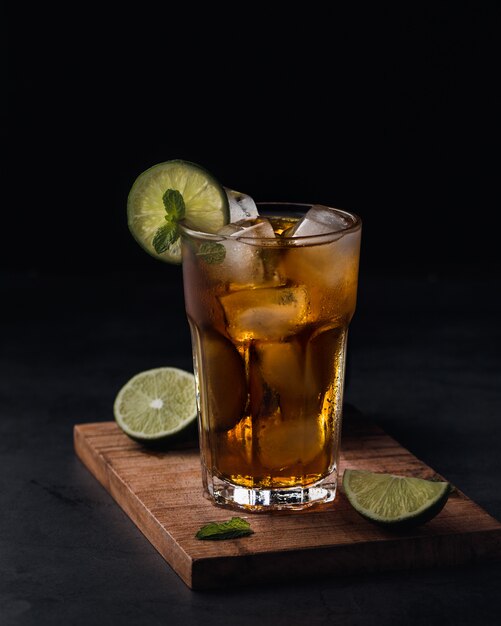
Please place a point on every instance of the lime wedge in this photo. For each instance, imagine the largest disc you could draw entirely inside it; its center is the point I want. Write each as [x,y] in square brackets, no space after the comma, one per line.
[205,201]
[394,500]
[155,404]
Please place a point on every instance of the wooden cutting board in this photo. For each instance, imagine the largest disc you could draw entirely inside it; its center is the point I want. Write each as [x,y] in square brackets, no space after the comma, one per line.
[161,492]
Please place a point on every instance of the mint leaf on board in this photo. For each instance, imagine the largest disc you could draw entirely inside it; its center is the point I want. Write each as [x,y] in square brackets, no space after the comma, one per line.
[212,252]
[231,529]
[174,204]
[165,236]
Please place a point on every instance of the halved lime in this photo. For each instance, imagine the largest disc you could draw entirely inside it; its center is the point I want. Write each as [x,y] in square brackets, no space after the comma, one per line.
[205,201]
[155,404]
[394,500]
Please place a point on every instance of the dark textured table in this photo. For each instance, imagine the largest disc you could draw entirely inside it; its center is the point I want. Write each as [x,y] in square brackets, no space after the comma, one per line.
[424,362]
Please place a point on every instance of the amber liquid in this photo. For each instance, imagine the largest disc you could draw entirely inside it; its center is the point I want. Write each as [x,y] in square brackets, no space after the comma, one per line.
[269,351]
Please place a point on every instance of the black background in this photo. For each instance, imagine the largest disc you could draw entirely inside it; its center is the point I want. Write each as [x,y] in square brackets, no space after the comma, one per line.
[384,112]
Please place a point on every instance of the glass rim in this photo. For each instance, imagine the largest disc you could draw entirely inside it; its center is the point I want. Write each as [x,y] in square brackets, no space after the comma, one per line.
[294,207]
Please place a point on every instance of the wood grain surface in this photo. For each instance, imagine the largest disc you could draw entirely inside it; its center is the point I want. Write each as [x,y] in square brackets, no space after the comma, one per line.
[162,494]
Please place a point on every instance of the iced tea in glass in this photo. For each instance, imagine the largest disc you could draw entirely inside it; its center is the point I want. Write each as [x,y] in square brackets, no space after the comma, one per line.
[269,301]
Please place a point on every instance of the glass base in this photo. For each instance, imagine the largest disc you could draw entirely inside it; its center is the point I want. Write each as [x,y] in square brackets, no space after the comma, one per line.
[227,494]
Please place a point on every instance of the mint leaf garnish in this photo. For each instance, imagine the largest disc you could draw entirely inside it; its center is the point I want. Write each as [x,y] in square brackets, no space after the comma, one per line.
[174,204]
[212,252]
[231,529]
[165,236]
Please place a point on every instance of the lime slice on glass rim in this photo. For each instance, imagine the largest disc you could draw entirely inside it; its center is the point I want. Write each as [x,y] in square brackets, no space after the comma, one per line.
[156,404]
[394,501]
[204,200]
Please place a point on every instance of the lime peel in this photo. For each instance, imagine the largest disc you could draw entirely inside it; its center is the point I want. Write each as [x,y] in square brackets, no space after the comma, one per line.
[394,501]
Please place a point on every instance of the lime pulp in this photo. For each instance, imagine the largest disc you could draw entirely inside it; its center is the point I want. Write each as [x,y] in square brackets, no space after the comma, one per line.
[155,404]
[394,500]
[205,200]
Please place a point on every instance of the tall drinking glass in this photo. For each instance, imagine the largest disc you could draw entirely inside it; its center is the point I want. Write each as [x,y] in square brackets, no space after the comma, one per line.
[269,315]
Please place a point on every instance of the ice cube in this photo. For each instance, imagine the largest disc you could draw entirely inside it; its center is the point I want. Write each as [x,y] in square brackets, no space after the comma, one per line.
[320,220]
[269,313]
[329,270]
[243,264]
[242,206]
[287,371]
[261,229]
[284,443]
[281,364]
